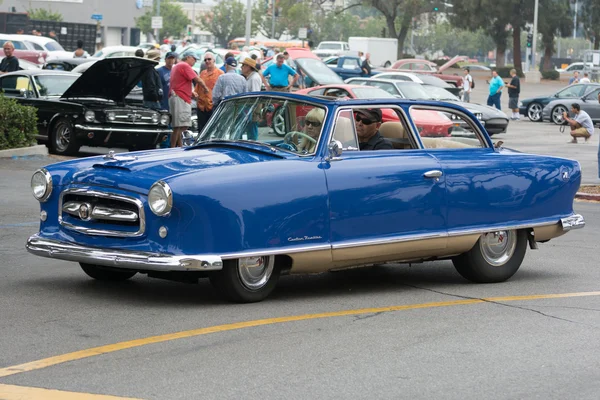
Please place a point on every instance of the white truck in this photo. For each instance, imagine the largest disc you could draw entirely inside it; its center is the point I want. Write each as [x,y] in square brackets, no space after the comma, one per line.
[328,49]
[384,51]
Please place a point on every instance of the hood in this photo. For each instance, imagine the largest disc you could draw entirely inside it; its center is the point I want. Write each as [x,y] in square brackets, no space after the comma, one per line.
[486,110]
[137,171]
[451,62]
[318,71]
[110,78]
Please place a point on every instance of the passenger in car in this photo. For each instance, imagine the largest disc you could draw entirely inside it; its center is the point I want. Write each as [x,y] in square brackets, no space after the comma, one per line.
[368,121]
[312,127]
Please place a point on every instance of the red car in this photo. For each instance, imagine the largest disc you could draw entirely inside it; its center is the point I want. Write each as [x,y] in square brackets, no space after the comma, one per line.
[427,67]
[23,51]
[429,123]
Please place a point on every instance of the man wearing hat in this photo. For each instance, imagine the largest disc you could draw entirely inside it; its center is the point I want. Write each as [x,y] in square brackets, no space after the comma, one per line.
[180,95]
[278,74]
[164,73]
[229,83]
[250,71]
[368,121]
[151,85]
[209,75]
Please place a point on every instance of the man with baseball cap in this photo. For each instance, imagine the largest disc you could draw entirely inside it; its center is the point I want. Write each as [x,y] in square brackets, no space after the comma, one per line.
[368,121]
[180,95]
[165,77]
[229,83]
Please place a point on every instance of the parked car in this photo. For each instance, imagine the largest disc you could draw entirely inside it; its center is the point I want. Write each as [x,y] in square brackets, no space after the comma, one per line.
[174,213]
[588,103]
[328,49]
[46,44]
[348,66]
[23,50]
[576,66]
[89,109]
[430,68]
[67,64]
[495,121]
[116,51]
[532,107]
[421,78]
[428,123]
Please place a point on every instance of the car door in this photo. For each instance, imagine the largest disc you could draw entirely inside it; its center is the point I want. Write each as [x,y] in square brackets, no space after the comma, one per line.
[350,68]
[591,105]
[379,199]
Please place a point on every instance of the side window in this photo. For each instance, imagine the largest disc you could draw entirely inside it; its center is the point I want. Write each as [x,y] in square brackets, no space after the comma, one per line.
[572,91]
[593,95]
[346,47]
[35,46]
[318,92]
[12,85]
[343,131]
[19,45]
[445,129]
[349,64]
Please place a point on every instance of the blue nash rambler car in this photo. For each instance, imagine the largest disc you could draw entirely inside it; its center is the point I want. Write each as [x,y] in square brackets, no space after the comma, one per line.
[340,189]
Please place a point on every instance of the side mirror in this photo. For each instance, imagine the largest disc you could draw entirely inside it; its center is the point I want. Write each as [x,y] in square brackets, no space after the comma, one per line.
[335,150]
[24,93]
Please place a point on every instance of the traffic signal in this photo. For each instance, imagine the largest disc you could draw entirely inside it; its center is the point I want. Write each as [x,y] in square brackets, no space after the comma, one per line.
[435,9]
[529,39]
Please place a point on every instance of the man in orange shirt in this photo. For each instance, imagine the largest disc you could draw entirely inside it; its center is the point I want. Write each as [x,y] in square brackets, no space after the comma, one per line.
[209,76]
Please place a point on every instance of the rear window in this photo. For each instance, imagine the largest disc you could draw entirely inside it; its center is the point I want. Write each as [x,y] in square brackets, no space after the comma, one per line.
[54,46]
[18,45]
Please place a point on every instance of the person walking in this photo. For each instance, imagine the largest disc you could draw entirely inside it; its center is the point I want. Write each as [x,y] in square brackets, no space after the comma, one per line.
[151,85]
[278,74]
[9,63]
[180,95]
[514,89]
[80,52]
[496,85]
[209,75]
[467,85]
[229,83]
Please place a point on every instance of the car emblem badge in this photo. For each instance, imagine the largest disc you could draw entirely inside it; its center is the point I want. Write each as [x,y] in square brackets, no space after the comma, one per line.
[85,212]
[565,175]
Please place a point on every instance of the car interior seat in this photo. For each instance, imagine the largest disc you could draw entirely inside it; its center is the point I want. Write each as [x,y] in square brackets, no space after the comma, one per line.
[344,132]
[395,133]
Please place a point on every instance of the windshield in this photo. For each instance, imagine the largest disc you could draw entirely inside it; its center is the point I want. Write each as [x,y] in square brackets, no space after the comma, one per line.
[54,46]
[330,46]
[372,93]
[318,71]
[432,80]
[439,93]
[282,124]
[53,85]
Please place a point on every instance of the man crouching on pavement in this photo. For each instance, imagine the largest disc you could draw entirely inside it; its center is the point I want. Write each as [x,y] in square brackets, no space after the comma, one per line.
[581,125]
[180,96]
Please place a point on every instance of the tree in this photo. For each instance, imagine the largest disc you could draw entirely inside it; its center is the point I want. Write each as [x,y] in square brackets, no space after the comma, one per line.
[554,19]
[227,20]
[175,21]
[590,13]
[41,14]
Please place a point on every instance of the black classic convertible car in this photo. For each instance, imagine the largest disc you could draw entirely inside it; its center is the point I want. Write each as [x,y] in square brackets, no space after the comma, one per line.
[89,109]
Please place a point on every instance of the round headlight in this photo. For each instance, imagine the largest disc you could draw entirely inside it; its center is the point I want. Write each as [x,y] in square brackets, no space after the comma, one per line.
[155,117]
[110,115]
[41,184]
[164,119]
[160,199]
[90,116]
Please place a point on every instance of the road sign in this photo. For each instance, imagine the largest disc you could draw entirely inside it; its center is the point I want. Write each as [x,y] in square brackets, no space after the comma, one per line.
[302,33]
[97,17]
[157,23]
[148,3]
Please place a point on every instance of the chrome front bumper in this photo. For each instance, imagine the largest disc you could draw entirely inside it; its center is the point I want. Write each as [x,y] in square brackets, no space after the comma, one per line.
[137,260]
[575,221]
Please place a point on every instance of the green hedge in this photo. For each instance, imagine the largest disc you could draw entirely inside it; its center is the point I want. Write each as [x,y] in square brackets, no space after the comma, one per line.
[504,72]
[18,124]
[551,74]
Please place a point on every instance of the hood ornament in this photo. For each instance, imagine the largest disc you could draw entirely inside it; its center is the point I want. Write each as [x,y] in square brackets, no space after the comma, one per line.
[112,157]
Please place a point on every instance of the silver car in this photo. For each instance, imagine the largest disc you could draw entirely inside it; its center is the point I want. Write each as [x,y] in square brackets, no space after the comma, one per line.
[588,103]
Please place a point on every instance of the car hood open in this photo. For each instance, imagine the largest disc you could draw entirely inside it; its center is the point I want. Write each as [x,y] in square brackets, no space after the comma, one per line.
[451,62]
[110,78]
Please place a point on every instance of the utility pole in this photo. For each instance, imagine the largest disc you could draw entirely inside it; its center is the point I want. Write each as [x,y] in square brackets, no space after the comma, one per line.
[156,38]
[193,19]
[273,20]
[248,21]
[575,22]
[534,42]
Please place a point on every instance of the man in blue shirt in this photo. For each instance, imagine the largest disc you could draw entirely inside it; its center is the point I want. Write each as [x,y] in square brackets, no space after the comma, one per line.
[496,85]
[278,74]
[164,73]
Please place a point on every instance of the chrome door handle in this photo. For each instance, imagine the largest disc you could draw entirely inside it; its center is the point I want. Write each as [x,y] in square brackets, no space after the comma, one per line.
[433,174]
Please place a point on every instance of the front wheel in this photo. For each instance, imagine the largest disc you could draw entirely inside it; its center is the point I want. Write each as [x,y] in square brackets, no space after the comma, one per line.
[495,258]
[105,273]
[534,112]
[62,139]
[246,280]
[557,114]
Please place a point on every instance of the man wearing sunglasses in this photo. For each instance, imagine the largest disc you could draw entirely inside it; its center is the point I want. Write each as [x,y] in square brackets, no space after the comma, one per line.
[368,121]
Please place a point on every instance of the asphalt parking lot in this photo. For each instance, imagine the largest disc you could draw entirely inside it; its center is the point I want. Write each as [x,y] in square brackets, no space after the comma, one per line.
[394,331]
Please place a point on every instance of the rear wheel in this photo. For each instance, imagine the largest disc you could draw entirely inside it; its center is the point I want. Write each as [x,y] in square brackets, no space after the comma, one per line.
[106,273]
[246,280]
[557,114]
[495,258]
[534,112]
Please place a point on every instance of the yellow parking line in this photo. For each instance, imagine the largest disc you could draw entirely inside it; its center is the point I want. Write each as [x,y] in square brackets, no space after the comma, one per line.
[110,348]
[12,392]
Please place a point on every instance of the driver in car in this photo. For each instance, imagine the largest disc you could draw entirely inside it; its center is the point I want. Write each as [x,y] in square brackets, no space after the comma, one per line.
[307,140]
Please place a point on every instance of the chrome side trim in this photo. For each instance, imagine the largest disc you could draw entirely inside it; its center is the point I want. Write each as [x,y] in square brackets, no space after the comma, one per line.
[121,258]
[394,239]
[274,252]
[132,129]
[500,228]
[102,232]
[575,221]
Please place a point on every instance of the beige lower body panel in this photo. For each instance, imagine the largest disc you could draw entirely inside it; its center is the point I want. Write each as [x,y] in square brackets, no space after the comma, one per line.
[543,233]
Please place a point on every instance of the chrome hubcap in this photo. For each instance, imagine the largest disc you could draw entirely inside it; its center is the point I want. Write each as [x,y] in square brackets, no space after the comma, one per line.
[498,247]
[62,137]
[534,112]
[557,115]
[255,271]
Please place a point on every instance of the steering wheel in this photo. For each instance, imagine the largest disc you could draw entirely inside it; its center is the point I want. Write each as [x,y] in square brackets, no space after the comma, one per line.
[288,136]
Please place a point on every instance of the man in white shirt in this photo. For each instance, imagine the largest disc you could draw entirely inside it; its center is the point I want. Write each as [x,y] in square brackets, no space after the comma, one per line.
[253,79]
[585,79]
[467,83]
[581,125]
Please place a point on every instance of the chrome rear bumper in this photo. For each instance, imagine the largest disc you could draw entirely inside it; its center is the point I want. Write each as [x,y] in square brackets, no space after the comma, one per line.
[143,261]
[575,221]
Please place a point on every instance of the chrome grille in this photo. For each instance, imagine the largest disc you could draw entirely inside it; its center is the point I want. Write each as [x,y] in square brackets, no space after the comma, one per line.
[102,214]
[133,116]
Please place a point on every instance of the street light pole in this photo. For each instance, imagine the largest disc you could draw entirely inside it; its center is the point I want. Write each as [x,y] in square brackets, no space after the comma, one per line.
[273,21]
[156,38]
[534,41]
[193,19]
[248,21]
[575,22]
